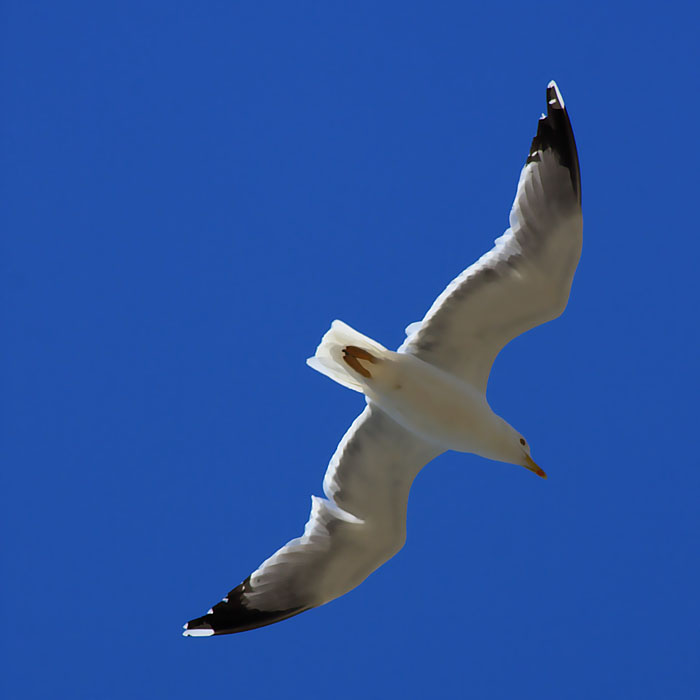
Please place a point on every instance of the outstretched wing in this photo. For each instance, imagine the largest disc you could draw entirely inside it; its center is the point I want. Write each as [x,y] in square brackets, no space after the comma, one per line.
[525,279]
[358,526]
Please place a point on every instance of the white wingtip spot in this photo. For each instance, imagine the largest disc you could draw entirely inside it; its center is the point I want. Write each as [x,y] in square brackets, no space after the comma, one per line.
[559,98]
[198,633]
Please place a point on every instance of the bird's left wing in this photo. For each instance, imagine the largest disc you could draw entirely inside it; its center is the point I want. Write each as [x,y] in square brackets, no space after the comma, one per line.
[358,526]
[525,279]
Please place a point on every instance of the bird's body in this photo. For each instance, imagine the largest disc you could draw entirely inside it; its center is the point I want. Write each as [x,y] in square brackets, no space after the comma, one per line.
[427,397]
[435,405]
[429,402]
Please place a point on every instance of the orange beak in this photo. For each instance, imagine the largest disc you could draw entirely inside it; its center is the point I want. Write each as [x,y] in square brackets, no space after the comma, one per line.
[530,464]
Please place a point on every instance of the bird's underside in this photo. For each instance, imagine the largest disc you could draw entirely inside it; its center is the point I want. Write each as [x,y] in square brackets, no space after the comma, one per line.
[523,281]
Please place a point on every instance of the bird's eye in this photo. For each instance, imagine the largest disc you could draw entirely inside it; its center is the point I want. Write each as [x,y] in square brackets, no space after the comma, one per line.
[522,441]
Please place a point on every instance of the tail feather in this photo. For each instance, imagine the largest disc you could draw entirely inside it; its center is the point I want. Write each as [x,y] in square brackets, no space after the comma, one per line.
[328,359]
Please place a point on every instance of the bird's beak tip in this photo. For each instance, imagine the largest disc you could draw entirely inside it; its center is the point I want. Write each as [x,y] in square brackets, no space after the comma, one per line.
[530,464]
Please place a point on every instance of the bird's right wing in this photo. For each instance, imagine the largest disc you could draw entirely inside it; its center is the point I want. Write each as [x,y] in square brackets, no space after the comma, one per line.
[525,279]
[358,526]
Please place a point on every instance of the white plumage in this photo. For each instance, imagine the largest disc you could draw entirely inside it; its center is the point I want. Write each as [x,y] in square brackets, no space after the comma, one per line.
[427,397]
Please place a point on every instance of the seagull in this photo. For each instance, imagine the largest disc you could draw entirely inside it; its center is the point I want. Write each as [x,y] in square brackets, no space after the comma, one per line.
[427,397]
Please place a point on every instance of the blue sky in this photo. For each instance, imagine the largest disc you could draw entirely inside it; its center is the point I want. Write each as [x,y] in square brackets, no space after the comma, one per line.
[193,192]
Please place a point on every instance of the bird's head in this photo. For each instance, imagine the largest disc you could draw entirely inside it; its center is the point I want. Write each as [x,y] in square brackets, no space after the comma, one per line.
[526,459]
[516,450]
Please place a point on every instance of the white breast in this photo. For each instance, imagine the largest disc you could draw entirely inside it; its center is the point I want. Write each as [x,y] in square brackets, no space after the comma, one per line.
[436,405]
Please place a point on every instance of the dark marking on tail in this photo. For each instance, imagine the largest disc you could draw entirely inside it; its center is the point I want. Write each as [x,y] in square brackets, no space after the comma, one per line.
[352,356]
[361,354]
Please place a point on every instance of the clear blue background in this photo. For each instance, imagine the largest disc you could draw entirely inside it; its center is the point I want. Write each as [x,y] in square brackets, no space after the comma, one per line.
[194,190]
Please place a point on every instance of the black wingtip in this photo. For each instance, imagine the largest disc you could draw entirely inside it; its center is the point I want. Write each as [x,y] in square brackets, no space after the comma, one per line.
[232,615]
[554,132]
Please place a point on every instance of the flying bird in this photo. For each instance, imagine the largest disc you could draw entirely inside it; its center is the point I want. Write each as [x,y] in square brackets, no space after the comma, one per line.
[427,397]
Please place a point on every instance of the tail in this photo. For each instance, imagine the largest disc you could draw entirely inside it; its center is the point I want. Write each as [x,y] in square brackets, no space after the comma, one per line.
[331,355]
